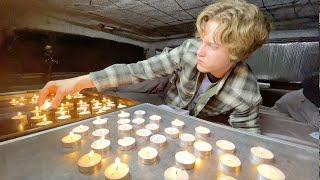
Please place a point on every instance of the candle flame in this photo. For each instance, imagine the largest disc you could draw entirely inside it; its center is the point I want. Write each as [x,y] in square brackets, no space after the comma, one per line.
[71,134]
[37,114]
[45,118]
[37,108]
[91,154]
[19,113]
[117,161]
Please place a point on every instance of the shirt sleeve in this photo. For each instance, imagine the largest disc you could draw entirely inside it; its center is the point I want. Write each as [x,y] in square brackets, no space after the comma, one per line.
[246,119]
[124,74]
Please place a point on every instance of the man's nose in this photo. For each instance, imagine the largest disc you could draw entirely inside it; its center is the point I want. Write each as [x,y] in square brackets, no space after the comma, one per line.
[201,51]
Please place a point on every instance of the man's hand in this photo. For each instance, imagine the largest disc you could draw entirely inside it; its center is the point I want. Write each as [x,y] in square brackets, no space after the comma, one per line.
[61,88]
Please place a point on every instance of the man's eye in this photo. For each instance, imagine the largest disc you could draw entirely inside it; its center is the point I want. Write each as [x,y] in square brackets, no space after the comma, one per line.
[213,46]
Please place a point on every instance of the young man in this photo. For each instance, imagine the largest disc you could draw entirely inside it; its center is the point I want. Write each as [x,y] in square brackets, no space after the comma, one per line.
[208,74]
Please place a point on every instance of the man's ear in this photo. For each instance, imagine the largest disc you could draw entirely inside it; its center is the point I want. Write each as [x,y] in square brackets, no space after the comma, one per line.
[247,56]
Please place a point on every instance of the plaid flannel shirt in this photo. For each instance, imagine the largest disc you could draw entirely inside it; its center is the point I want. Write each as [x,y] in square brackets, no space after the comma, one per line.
[236,94]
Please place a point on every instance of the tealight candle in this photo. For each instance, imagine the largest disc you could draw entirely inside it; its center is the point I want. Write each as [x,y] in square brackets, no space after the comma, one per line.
[44,122]
[89,163]
[69,97]
[111,104]
[177,124]
[143,135]
[185,160]
[174,173]
[138,123]
[64,116]
[62,107]
[117,171]
[155,119]
[202,132]
[82,130]
[96,107]
[100,132]
[154,128]
[202,148]
[125,130]
[172,132]
[94,101]
[158,140]
[229,163]
[21,117]
[78,96]
[268,172]
[104,100]
[71,141]
[99,123]
[123,121]
[69,105]
[60,112]
[13,102]
[124,115]
[225,146]
[148,155]
[36,118]
[139,113]
[85,113]
[121,106]
[45,106]
[126,143]
[101,145]
[186,140]
[36,110]
[261,155]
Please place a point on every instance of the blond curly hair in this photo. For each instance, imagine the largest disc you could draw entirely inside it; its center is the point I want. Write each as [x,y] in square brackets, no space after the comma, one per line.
[242,28]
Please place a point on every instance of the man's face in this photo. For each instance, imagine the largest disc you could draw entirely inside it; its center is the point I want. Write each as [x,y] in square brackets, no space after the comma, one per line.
[211,57]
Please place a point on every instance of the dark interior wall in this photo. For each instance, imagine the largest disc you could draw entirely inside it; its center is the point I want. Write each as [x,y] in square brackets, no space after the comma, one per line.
[25,53]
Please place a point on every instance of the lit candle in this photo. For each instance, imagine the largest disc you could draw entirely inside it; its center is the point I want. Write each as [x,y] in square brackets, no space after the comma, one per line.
[186,140]
[174,173]
[225,146]
[100,132]
[229,163]
[62,107]
[36,110]
[85,113]
[36,118]
[123,121]
[44,122]
[121,106]
[154,128]
[78,96]
[148,155]
[185,160]
[126,143]
[111,104]
[99,123]
[172,132]
[104,100]
[143,135]
[124,115]
[63,116]
[93,101]
[71,140]
[202,148]
[155,119]
[138,123]
[261,155]
[125,130]
[158,140]
[268,172]
[45,106]
[202,132]
[101,145]
[96,106]
[139,113]
[117,171]
[14,102]
[60,112]
[69,97]
[20,117]
[177,124]
[82,130]
[89,163]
